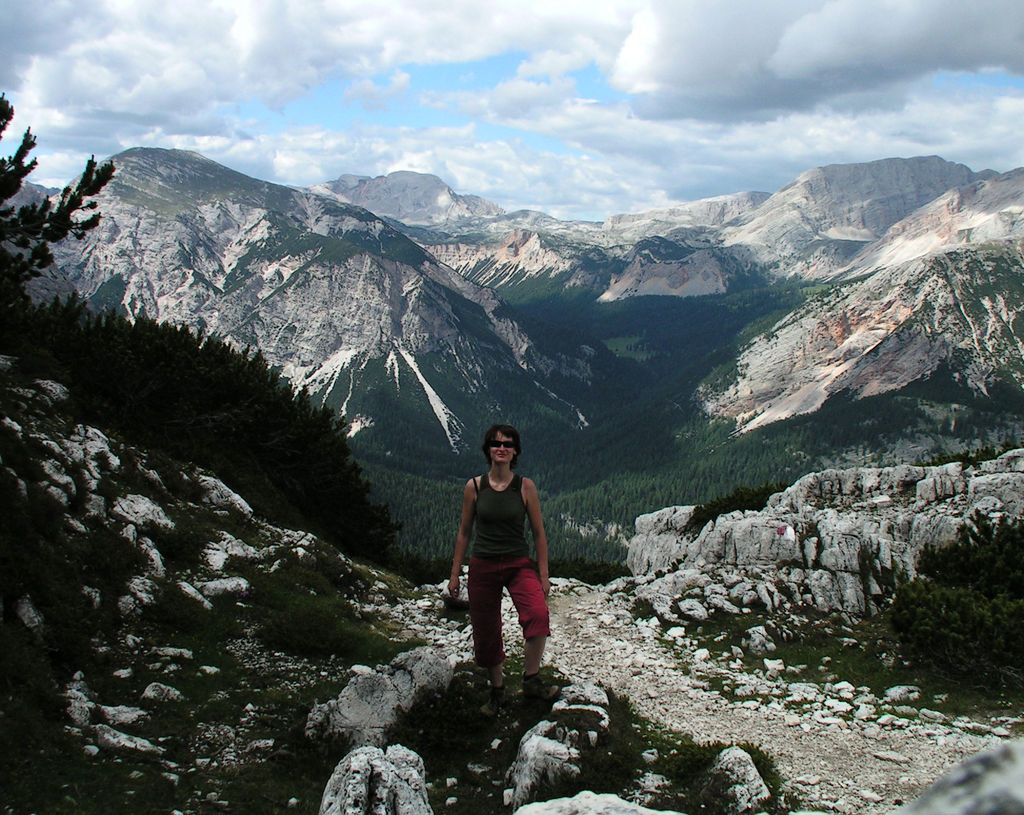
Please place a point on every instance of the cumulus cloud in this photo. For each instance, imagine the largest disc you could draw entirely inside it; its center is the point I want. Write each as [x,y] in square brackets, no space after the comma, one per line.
[750,59]
[701,99]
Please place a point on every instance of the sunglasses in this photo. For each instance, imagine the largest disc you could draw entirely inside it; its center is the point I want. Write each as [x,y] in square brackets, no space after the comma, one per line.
[495,444]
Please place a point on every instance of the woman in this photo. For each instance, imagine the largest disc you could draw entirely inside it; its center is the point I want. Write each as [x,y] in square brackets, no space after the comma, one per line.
[499,503]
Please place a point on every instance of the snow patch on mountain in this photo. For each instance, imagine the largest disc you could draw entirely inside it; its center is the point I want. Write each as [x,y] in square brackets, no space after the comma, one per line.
[448,420]
[323,377]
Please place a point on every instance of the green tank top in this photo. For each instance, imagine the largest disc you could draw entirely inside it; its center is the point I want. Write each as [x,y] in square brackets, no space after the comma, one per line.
[500,521]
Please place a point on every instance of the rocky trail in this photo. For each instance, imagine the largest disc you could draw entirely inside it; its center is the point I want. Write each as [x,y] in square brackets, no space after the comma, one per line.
[830,763]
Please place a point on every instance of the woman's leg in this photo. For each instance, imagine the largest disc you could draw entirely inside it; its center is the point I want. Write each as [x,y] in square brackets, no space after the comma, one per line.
[533,652]
[528,597]
[485,586]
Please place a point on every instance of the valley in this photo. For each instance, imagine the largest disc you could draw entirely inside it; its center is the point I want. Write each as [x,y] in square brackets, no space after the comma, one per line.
[656,358]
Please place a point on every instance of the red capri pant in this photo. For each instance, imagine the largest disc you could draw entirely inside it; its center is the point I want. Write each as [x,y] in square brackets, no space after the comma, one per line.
[487,578]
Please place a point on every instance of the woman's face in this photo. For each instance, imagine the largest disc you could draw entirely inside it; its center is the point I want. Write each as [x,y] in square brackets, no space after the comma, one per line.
[502,448]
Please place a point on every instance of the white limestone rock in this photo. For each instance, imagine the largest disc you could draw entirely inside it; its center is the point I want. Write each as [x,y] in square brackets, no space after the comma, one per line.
[80,702]
[234,586]
[370,781]
[218,494]
[837,537]
[733,777]
[758,641]
[990,782]
[159,692]
[590,803]
[657,542]
[107,738]
[372,700]
[122,715]
[90,449]
[217,553]
[141,512]
[541,761]
[191,591]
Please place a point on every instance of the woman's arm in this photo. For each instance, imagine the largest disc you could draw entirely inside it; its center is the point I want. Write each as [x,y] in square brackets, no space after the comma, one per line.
[462,538]
[540,539]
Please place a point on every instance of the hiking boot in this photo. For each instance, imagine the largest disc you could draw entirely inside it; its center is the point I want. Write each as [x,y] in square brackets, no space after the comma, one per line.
[495,703]
[534,688]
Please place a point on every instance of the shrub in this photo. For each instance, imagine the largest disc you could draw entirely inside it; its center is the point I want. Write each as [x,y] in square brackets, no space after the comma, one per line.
[964,614]
[196,398]
[741,498]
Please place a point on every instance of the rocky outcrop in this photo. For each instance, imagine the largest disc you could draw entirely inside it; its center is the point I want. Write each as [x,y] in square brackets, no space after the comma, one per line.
[551,751]
[834,540]
[991,782]
[590,803]
[371,781]
[373,699]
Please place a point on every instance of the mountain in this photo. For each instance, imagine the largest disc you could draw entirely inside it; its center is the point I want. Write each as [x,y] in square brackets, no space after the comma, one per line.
[814,224]
[629,351]
[666,251]
[412,198]
[342,303]
[909,252]
[942,287]
[807,230]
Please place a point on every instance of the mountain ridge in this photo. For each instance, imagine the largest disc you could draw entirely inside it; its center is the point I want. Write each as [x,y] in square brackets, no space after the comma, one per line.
[422,335]
[321,287]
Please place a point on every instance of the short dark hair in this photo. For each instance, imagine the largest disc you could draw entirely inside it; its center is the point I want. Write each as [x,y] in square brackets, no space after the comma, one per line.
[505,430]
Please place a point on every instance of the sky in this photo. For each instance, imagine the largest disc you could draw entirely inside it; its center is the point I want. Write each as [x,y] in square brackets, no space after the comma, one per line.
[578,109]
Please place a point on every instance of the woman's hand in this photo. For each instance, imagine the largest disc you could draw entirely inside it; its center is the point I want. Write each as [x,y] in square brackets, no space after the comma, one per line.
[454,586]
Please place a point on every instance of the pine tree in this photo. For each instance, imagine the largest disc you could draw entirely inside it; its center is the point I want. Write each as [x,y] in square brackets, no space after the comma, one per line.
[27,232]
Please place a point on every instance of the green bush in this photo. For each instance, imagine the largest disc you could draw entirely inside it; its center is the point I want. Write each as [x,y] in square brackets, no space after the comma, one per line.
[964,615]
[742,498]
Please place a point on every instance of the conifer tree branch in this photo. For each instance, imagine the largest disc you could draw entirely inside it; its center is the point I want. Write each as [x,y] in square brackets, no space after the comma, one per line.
[27,232]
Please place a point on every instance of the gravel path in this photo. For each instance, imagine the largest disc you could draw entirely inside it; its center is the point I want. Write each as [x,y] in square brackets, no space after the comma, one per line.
[833,765]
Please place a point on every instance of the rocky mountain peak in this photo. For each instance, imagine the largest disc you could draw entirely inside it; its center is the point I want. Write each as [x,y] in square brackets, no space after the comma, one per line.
[410,197]
[813,225]
[984,211]
[715,211]
[332,295]
[940,287]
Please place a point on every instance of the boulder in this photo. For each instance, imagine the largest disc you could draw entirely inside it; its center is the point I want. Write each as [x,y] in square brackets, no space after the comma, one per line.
[370,781]
[590,803]
[141,512]
[107,738]
[550,752]
[218,494]
[734,779]
[374,698]
[990,782]
[542,760]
